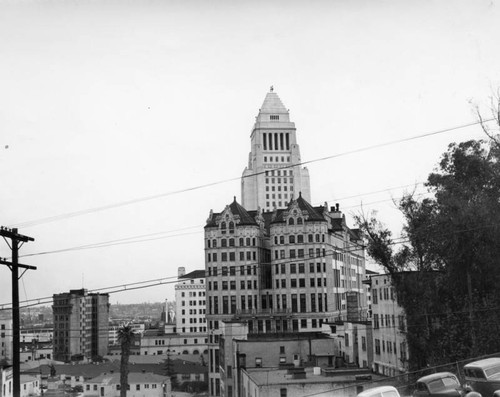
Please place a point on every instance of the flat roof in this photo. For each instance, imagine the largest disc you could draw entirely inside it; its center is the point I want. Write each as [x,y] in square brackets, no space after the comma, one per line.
[277,376]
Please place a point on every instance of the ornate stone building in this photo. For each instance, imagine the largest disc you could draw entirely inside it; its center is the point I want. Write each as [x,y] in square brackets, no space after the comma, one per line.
[281,272]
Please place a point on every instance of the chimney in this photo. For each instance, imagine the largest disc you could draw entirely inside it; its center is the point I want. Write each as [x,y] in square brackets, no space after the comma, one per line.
[337,207]
[181,271]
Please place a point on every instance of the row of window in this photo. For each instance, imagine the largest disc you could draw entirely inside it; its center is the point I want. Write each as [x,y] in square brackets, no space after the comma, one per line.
[231,256]
[195,329]
[300,283]
[193,294]
[194,320]
[299,239]
[230,242]
[280,180]
[381,320]
[382,293]
[298,303]
[137,386]
[276,140]
[300,253]
[193,303]
[262,326]
[194,311]
[390,347]
[279,172]
[299,268]
[231,285]
[232,271]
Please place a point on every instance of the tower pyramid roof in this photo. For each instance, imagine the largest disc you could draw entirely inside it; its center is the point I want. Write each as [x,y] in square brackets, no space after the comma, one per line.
[272,104]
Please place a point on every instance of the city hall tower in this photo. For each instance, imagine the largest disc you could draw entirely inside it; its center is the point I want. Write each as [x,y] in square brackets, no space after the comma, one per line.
[274,175]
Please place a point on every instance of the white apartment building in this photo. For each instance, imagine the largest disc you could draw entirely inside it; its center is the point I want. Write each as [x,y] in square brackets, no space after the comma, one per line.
[141,384]
[389,339]
[190,298]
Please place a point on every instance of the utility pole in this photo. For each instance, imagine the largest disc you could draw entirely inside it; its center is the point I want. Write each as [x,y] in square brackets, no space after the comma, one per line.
[14,266]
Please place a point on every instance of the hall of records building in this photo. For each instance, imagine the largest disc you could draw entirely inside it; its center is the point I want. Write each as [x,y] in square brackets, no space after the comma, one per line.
[283,271]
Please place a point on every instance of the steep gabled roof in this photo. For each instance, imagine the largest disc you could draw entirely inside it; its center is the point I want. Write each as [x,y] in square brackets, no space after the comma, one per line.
[237,210]
[245,218]
[312,214]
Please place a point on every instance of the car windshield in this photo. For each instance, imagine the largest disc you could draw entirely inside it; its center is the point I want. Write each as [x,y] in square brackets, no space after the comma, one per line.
[442,384]
[492,371]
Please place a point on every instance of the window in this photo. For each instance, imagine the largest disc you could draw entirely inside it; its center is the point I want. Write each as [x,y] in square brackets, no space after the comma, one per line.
[258,362]
[283,392]
[137,387]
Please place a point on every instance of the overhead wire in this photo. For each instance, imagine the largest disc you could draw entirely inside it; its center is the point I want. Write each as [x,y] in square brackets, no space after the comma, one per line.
[136,239]
[203,186]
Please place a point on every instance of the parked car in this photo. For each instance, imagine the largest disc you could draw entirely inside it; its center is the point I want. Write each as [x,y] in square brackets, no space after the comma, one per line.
[381,391]
[483,376]
[439,384]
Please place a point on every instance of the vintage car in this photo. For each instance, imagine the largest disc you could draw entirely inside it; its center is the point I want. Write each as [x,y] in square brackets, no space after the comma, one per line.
[381,391]
[439,384]
[483,376]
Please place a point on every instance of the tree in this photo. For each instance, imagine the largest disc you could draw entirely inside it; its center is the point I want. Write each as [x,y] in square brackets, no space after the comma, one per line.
[455,235]
[125,338]
[169,367]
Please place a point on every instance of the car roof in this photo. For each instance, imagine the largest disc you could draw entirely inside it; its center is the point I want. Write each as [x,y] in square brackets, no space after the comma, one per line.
[376,390]
[487,362]
[438,375]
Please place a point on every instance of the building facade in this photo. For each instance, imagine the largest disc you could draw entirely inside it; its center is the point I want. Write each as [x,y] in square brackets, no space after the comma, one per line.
[6,338]
[273,175]
[140,384]
[277,263]
[390,355]
[80,325]
[190,298]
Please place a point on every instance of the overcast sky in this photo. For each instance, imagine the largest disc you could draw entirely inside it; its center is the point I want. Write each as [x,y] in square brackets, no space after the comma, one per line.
[103,102]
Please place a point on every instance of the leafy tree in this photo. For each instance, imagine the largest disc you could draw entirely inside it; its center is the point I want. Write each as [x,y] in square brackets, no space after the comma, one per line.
[453,241]
[125,338]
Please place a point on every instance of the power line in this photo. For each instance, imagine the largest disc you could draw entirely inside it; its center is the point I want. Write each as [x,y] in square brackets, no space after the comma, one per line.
[136,239]
[203,186]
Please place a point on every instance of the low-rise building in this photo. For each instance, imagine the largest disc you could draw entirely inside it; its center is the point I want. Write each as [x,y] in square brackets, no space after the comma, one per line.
[299,382]
[140,384]
[30,384]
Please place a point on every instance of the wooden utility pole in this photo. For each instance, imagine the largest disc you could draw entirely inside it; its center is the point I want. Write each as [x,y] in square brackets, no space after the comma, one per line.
[14,266]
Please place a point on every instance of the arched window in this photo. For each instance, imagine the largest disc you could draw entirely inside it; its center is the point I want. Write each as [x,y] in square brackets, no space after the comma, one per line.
[248,241]
[291,221]
[208,243]
[242,242]
[185,352]
[231,242]
[275,239]
[299,221]
[231,227]
[223,242]
[223,227]
[214,243]
[196,352]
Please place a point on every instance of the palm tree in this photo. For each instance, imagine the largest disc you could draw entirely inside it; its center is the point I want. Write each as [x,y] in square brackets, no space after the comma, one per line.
[125,337]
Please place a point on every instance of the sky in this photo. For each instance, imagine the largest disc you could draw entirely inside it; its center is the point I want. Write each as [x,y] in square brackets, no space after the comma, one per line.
[112,111]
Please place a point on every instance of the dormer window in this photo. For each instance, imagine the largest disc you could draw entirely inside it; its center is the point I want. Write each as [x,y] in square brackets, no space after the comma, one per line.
[274,117]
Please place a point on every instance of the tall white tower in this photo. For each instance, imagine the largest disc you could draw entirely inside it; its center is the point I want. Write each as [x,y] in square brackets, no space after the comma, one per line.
[273,176]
